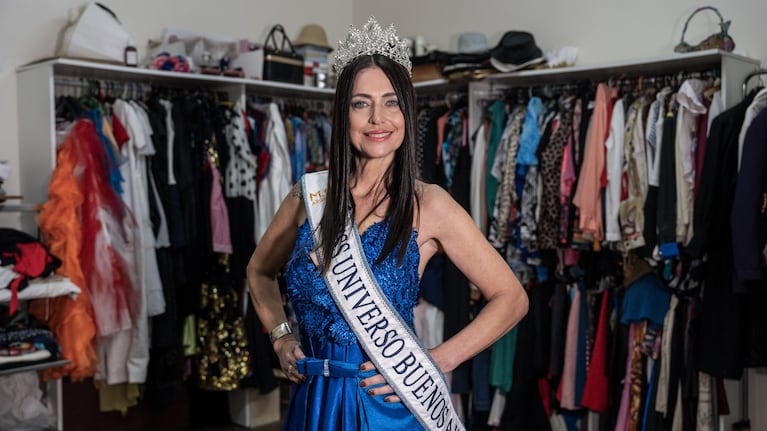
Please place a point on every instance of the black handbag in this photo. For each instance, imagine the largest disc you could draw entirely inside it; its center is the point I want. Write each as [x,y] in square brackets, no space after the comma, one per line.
[281,64]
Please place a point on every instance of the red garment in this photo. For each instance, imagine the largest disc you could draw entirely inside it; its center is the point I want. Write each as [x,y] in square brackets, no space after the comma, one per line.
[595,388]
[700,149]
[71,321]
[118,131]
[31,261]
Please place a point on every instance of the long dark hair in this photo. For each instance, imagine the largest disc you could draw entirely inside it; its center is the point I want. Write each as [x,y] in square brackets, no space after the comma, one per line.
[400,187]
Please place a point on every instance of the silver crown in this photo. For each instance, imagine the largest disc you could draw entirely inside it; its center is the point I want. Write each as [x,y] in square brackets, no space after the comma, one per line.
[372,39]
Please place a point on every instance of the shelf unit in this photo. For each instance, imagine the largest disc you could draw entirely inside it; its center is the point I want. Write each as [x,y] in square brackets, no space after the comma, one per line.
[36,106]
[37,133]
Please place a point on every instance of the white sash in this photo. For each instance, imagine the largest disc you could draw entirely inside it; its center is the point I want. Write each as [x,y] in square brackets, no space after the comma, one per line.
[391,345]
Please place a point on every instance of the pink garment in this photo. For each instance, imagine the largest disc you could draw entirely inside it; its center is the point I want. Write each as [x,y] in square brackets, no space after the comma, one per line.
[587,197]
[622,421]
[219,215]
[572,256]
[567,383]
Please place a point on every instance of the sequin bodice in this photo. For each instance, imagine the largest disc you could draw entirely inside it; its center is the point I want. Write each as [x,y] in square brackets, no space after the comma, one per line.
[309,296]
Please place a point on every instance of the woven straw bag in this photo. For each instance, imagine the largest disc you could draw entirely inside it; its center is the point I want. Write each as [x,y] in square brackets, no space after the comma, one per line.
[719,40]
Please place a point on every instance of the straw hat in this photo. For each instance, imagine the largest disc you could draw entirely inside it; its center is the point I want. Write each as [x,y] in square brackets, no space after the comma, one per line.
[313,34]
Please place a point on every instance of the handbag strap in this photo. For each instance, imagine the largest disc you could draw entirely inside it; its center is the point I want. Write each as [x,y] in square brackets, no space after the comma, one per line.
[722,24]
[271,36]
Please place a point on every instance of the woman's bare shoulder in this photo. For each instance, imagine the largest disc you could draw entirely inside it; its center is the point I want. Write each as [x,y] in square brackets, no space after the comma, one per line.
[432,197]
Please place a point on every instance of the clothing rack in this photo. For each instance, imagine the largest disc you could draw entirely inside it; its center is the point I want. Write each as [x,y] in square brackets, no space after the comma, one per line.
[753,74]
[78,87]
[451,98]
[639,82]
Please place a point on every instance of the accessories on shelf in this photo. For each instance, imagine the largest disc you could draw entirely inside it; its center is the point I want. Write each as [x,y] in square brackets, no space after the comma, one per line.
[313,34]
[372,39]
[282,63]
[719,40]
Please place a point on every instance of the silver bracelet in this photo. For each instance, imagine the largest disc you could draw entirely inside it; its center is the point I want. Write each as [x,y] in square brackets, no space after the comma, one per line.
[280,331]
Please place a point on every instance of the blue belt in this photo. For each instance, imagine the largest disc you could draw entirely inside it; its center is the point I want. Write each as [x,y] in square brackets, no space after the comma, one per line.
[328,368]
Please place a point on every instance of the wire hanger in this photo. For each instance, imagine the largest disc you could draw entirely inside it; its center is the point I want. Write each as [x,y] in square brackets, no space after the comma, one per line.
[757,72]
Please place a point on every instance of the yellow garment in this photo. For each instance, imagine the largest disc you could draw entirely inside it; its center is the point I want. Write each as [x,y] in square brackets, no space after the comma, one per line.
[119,397]
[189,336]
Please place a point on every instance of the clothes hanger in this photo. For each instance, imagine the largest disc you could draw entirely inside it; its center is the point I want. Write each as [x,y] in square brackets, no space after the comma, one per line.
[758,72]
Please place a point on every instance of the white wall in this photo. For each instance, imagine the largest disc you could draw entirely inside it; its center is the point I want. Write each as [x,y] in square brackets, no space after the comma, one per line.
[29,31]
[604,31]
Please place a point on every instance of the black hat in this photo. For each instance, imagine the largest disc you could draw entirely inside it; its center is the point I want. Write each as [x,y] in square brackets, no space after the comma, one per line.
[515,50]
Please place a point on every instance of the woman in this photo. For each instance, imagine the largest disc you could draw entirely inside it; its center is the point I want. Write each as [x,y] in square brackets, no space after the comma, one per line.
[401,223]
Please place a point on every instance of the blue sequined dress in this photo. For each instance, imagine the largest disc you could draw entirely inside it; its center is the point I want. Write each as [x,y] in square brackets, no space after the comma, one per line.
[337,402]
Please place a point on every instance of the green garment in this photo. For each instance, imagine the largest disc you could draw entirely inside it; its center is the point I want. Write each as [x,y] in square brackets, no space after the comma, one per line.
[502,361]
[497,112]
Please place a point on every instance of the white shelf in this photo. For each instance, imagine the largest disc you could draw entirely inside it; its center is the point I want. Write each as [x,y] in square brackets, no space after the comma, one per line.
[34,366]
[694,61]
[106,71]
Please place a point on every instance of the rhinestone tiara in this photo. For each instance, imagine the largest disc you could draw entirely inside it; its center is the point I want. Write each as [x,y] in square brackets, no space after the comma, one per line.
[372,39]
